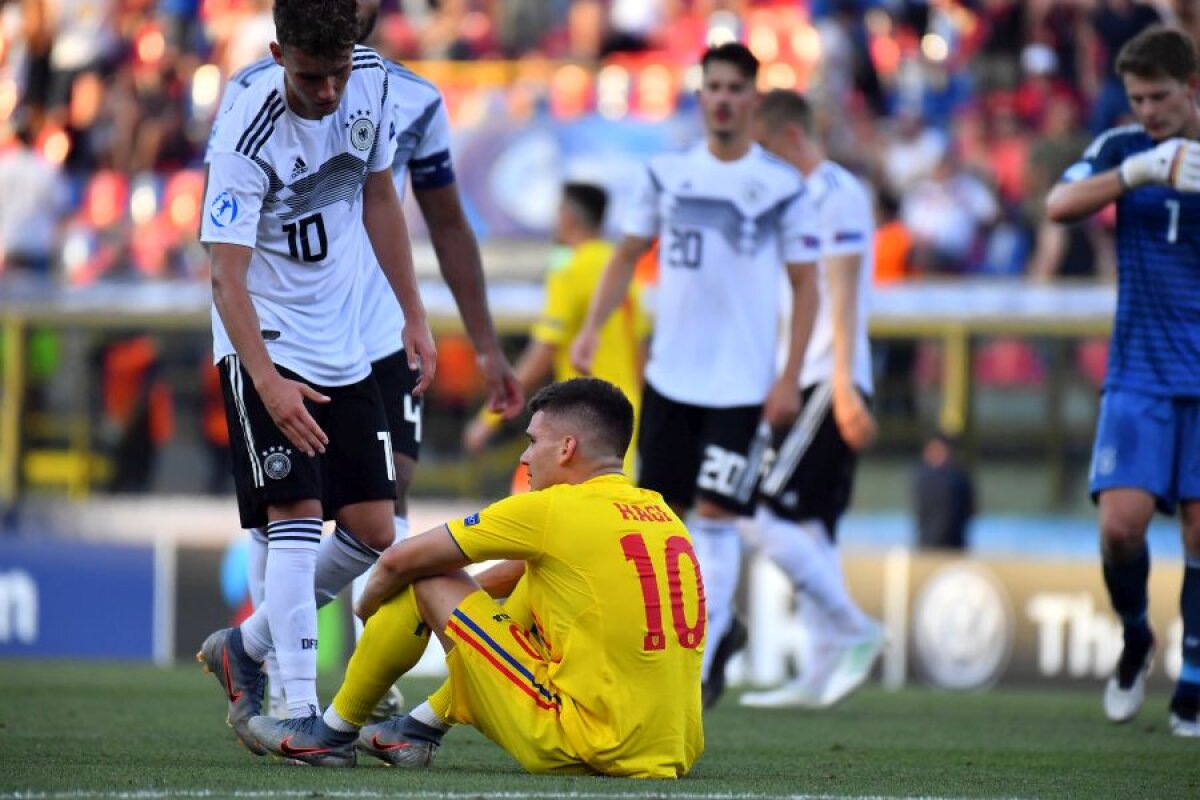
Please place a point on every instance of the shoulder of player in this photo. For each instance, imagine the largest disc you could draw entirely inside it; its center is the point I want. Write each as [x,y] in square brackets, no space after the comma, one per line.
[831,179]
[250,73]
[250,120]
[1122,136]
[787,183]
[365,59]
[411,80]
[671,162]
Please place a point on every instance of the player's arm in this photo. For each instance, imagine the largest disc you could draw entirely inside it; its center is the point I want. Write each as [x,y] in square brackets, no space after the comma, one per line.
[433,552]
[1174,163]
[610,293]
[783,401]
[855,423]
[1070,202]
[531,369]
[388,232]
[283,398]
[461,267]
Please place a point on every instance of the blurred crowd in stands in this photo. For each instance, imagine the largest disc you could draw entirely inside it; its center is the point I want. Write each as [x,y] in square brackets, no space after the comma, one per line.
[962,112]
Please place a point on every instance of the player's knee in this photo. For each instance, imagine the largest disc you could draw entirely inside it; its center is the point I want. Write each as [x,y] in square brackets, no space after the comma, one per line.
[378,537]
[1191,530]
[370,523]
[405,469]
[710,510]
[1122,535]
[437,597]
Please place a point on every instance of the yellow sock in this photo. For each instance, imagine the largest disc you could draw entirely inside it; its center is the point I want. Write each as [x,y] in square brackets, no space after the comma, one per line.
[440,701]
[392,641]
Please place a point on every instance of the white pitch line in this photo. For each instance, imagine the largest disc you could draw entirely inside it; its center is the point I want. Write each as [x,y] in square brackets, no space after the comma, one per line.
[356,794]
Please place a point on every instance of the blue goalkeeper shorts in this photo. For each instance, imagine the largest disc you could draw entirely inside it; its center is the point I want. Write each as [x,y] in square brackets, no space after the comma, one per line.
[1149,443]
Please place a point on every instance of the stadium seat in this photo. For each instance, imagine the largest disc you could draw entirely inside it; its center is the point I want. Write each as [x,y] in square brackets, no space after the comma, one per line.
[1091,358]
[1007,362]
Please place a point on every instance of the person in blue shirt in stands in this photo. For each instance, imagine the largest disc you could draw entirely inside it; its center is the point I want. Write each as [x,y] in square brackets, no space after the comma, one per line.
[1147,449]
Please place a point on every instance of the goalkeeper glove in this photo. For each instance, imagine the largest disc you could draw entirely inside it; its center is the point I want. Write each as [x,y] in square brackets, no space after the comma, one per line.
[1174,163]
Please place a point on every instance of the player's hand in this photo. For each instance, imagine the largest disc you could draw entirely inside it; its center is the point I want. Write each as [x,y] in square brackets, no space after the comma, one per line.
[782,405]
[476,436]
[854,421]
[420,352]
[1174,163]
[284,401]
[505,395]
[583,350]
[365,610]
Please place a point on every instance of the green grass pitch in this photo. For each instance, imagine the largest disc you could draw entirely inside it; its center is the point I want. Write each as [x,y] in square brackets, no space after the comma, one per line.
[75,730]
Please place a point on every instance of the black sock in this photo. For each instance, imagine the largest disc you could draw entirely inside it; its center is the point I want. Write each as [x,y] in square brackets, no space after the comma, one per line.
[1126,584]
[1187,690]
[415,729]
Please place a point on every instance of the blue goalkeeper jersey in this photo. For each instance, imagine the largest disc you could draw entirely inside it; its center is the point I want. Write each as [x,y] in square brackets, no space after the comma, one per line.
[1155,345]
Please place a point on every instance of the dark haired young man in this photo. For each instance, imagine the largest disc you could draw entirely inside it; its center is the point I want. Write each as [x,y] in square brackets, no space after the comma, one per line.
[592,665]
[1147,449]
[299,167]
[731,221]
[422,156]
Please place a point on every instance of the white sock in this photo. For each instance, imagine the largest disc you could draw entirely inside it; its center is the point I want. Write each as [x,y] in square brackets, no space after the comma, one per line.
[292,609]
[256,635]
[807,556]
[360,583]
[425,714]
[256,576]
[718,547]
[341,559]
[335,721]
[256,564]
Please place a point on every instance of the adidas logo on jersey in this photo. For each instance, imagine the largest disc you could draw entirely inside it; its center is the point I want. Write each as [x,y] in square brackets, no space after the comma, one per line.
[299,168]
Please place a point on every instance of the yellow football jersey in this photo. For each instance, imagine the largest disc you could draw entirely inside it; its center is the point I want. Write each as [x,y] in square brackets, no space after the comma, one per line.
[569,291]
[614,588]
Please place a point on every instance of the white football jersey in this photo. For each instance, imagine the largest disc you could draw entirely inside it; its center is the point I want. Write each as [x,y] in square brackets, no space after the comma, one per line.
[422,134]
[846,223]
[422,139]
[291,189]
[726,229]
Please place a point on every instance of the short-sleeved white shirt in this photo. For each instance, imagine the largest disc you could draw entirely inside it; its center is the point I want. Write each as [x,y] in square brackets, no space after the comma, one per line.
[726,229]
[421,129]
[846,225]
[292,189]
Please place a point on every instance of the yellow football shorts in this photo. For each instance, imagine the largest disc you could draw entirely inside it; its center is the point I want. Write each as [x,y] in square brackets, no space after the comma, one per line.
[498,678]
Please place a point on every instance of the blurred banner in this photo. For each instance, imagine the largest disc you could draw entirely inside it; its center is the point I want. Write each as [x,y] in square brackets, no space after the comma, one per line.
[73,599]
[952,622]
[963,623]
[510,174]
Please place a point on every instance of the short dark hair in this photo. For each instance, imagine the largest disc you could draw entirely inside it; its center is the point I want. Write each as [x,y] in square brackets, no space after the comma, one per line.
[733,53]
[588,200]
[780,106]
[323,29]
[602,408]
[1160,51]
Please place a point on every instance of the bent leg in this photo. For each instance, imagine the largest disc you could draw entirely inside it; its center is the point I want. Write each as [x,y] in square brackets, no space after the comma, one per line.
[498,676]
[393,641]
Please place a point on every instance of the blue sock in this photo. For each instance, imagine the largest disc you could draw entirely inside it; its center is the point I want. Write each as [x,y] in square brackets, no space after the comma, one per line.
[1188,688]
[1126,584]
